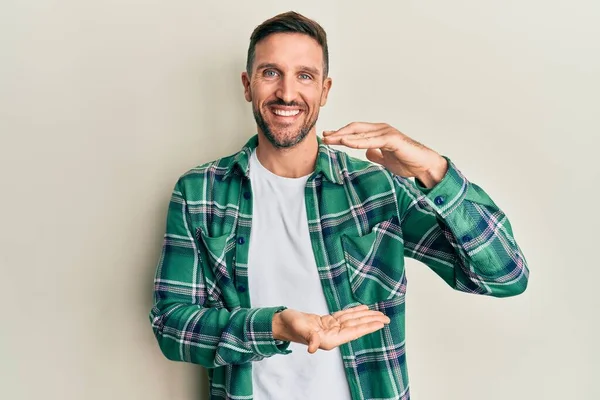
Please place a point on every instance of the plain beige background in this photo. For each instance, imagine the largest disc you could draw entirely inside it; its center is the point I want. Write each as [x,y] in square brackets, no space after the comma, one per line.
[103,104]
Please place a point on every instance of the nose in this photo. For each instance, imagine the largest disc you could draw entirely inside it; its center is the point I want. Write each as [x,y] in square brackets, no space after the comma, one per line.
[286,90]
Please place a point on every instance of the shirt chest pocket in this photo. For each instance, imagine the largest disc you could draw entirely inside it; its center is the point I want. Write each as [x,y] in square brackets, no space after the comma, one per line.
[375,263]
[216,254]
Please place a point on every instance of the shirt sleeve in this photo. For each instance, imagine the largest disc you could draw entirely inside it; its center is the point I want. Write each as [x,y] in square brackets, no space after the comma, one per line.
[462,235]
[188,331]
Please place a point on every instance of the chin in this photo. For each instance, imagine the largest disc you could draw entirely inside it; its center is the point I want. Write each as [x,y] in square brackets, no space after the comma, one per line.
[285,139]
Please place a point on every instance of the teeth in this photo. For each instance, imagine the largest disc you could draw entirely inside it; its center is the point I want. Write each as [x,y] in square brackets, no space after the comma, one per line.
[286,113]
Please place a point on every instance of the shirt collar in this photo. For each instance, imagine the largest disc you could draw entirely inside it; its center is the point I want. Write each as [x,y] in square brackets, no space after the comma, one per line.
[327,161]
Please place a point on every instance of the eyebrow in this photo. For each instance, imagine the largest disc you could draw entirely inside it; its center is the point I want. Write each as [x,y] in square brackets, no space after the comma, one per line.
[306,68]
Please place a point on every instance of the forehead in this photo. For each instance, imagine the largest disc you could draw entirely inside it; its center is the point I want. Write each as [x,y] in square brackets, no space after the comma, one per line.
[289,50]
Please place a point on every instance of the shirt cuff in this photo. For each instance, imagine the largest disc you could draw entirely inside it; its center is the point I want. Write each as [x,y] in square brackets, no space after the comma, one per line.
[447,194]
[259,332]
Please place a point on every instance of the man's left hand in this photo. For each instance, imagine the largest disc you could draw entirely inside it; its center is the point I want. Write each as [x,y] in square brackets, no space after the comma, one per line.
[389,147]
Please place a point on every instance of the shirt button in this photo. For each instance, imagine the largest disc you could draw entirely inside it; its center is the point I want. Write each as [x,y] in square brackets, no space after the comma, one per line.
[467,238]
[241,288]
[439,200]
[241,240]
[247,195]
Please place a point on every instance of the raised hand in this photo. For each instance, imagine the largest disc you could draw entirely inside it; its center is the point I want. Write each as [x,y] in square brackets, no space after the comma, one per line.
[327,331]
[391,148]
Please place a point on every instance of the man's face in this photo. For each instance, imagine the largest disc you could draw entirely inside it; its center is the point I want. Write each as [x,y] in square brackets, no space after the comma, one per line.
[286,87]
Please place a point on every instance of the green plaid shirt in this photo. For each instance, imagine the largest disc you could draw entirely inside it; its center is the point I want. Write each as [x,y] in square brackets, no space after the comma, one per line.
[363,221]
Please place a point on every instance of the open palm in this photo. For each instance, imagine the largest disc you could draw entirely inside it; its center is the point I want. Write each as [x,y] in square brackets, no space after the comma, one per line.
[329,331]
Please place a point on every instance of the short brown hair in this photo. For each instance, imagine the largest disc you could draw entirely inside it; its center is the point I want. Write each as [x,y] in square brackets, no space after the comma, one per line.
[289,22]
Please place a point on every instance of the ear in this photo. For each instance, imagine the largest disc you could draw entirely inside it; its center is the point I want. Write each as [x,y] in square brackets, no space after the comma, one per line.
[325,92]
[246,83]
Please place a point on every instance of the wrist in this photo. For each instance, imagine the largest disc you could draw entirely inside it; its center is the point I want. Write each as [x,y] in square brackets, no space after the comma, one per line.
[278,327]
[434,175]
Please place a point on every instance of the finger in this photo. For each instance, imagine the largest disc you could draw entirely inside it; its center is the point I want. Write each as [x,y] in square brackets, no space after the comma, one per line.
[378,142]
[360,314]
[354,127]
[350,126]
[366,320]
[362,307]
[314,341]
[354,332]
[375,155]
[336,139]
[352,132]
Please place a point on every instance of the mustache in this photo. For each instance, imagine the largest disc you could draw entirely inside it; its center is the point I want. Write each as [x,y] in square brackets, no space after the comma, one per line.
[280,102]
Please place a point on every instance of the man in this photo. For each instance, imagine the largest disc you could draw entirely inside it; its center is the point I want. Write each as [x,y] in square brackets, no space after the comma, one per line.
[282,269]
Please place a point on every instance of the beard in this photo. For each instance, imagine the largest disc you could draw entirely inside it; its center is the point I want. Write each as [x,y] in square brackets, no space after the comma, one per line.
[291,136]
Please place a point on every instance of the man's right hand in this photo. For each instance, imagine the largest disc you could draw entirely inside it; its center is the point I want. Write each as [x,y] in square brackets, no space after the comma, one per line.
[327,331]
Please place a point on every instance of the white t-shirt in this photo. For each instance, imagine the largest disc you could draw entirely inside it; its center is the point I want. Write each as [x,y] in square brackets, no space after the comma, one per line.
[282,271]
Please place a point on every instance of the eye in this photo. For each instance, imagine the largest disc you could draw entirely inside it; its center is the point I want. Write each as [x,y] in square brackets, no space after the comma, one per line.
[269,73]
[305,76]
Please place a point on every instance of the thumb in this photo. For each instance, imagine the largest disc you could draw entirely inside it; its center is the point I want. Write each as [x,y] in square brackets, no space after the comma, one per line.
[375,155]
[314,341]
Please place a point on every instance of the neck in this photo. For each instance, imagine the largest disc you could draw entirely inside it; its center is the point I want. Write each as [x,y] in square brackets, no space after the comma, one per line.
[294,162]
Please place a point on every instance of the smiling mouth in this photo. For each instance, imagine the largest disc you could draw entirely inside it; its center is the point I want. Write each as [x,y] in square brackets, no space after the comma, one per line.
[286,113]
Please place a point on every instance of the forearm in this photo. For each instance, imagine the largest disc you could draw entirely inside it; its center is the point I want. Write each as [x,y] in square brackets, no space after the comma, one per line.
[214,337]
[489,262]
[459,232]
